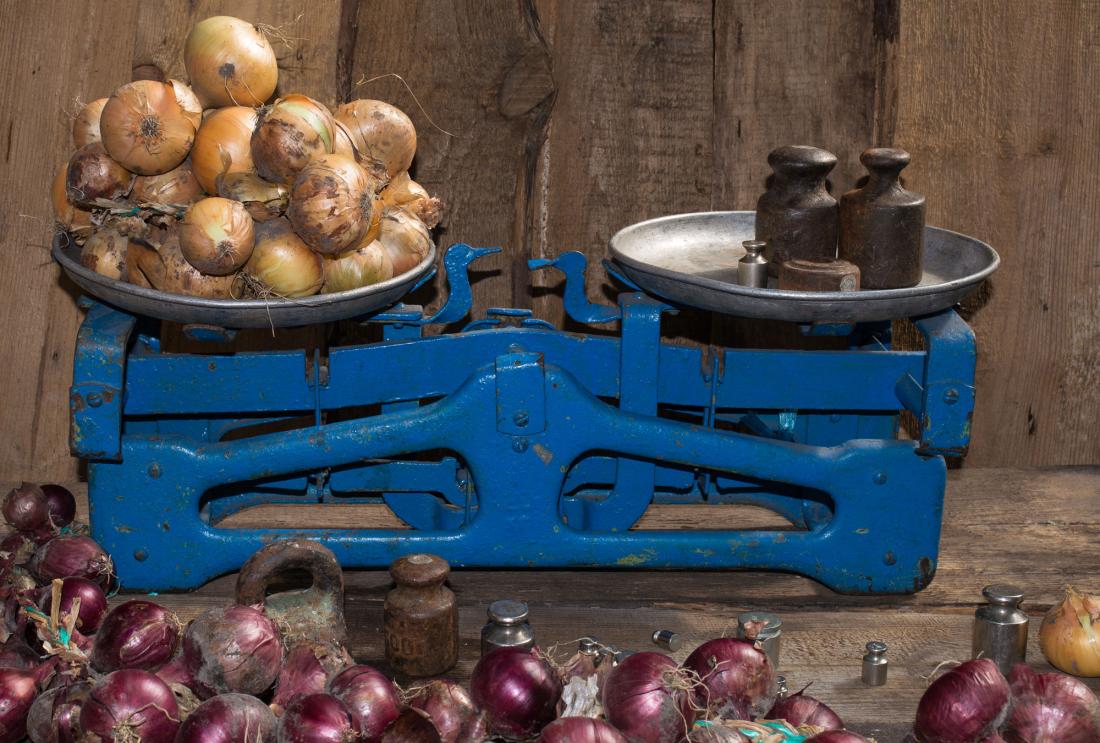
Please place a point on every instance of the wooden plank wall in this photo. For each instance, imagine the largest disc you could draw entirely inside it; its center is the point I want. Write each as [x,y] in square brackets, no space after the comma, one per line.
[565,121]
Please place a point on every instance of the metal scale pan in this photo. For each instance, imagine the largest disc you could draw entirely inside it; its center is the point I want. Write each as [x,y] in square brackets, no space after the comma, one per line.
[691,259]
[237,313]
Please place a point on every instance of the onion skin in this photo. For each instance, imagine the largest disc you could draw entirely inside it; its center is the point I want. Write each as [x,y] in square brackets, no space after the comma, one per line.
[129,702]
[230,63]
[837,736]
[369,697]
[26,507]
[738,681]
[406,193]
[73,219]
[517,690]
[1070,634]
[86,123]
[580,730]
[639,701]
[93,602]
[233,649]
[716,733]
[187,101]
[405,238]
[55,715]
[62,504]
[802,709]
[265,201]
[331,204]
[229,718]
[963,705]
[216,236]
[317,718]
[451,709]
[282,264]
[223,145]
[72,555]
[357,268]
[412,726]
[20,547]
[383,135]
[1051,707]
[16,653]
[178,186]
[93,175]
[145,129]
[306,669]
[136,634]
[290,134]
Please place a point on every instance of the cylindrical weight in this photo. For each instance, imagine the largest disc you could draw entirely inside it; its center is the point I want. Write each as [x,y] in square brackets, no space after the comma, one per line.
[420,619]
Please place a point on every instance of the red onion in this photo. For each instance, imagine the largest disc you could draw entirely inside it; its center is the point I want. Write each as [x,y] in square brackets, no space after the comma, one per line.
[129,705]
[16,653]
[317,718]
[1051,707]
[963,705]
[738,681]
[580,730]
[26,508]
[236,648]
[517,689]
[451,710]
[55,715]
[837,736]
[411,726]
[72,554]
[305,670]
[93,602]
[61,503]
[19,547]
[370,697]
[229,718]
[802,709]
[18,689]
[647,698]
[137,634]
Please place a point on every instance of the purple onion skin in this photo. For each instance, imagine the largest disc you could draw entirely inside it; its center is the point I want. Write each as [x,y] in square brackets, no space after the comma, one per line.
[517,690]
[716,734]
[21,547]
[55,715]
[18,690]
[580,730]
[370,697]
[802,709]
[129,702]
[411,726]
[738,681]
[837,736]
[963,705]
[93,602]
[639,702]
[233,649]
[26,508]
[306,669]
[229,718]
[72,555]
[317,718]
[16,653]
[61,503]
[451,710]
[1051,707]
[137,634]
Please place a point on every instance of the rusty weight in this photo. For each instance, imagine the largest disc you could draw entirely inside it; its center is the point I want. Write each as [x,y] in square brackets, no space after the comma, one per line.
[420,618]
[819,276]
[882,224]
[315,613]
[797,216]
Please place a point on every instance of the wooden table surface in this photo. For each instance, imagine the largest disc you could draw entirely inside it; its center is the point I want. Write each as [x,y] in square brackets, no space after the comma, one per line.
[1035,528]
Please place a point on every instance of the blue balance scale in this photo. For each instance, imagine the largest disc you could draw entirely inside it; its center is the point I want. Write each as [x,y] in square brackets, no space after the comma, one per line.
[512,443]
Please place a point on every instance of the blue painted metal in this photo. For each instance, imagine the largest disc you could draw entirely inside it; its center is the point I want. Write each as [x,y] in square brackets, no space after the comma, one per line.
[510,443]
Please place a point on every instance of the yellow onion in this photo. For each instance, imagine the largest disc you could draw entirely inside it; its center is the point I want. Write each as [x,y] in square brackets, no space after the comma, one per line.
[403,191]
[145,129]
[105,253]
[342,144]
[331,204]
[405,238]
[167,270]
[77,221]
[264,200]
[363,266]
[92,175]
[230,62]
[188,101]
[1070,634]
[136,255]
[281,264]
[216,236]
[223,145]
[178,186]
[86,123]
[384,136]
[293,131]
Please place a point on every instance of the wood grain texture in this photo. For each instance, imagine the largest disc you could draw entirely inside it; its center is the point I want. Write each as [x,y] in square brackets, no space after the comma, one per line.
[1003,138]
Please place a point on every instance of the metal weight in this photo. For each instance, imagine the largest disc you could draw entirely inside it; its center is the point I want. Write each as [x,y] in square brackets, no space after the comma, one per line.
[316,613]
[420,617]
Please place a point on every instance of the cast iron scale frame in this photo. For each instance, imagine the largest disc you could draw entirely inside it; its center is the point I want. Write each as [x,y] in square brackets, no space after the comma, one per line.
[515,444]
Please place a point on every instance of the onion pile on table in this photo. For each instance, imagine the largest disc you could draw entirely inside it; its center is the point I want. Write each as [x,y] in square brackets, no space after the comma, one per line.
[213,190]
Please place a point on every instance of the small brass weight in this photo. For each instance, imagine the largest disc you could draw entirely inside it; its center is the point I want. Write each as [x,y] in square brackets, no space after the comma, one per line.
[420,619]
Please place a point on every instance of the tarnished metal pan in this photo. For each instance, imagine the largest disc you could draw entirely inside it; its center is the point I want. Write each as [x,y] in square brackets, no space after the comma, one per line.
[691,259]
[237,313]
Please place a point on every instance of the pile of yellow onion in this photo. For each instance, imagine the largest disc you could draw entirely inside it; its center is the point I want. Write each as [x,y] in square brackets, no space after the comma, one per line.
[209,190]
